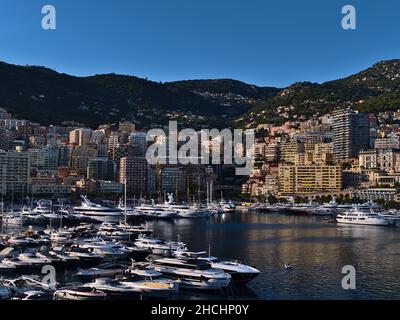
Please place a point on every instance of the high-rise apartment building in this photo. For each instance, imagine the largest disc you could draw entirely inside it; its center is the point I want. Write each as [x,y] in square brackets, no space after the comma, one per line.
[80,158]
[80,137]
[133,170]
[101,169]
[139,141]
[350,134]
[14,172]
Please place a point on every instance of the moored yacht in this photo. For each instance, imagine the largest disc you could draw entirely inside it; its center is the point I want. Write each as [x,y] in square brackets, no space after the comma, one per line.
[356,216]
[103,270]
[240,272]
[92,209]
[156,212]
[159,246]
[113,288]
[193,273]
[183,210]
[79,293]
[227,206]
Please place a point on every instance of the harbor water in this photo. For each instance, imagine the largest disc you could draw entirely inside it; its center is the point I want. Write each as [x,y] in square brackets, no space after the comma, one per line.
[317,248]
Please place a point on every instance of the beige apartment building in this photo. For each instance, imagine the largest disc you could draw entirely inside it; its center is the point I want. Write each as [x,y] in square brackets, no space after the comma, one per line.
[289,150]
[313,179]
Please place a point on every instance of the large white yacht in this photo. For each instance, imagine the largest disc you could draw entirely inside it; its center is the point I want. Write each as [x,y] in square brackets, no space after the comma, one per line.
[240,273]
[356,216]
[183,210]
[156,212]
[92,209]
[193,273]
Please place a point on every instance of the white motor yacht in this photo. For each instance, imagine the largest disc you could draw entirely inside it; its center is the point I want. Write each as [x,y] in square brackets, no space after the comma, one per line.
[227,206]
[193,273]
[34,259]
[79,293]
[129,211]
[105,249]
[158,246]
[92,209]
[152,284]
[356,216]
[156,212]
[240,272]
[103,270]
[183,210]
[113,288]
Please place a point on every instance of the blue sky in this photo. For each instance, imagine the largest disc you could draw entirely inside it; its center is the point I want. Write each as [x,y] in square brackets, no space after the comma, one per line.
[269,43]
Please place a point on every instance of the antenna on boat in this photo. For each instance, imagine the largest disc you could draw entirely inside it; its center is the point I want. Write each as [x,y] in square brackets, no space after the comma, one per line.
[209,249]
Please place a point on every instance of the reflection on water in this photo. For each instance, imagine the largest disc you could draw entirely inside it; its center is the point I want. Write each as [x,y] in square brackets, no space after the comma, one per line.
[316,248]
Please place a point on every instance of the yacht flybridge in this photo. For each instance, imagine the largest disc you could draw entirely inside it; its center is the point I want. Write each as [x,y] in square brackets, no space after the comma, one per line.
[92,209]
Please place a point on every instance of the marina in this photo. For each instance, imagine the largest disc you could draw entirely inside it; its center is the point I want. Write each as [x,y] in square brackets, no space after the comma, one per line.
[264,252]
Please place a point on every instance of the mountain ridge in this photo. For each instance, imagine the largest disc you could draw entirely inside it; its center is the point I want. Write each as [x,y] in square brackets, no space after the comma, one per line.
[374,89]
[44,95]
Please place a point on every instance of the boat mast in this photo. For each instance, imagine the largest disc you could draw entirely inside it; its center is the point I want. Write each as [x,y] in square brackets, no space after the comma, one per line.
[62,212]
[125,200]
[2,213]
[208,193]
[211,192]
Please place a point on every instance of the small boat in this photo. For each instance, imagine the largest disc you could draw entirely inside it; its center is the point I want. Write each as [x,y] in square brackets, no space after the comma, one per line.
[34,259]
[288,267]
[105,249]
[103,270]
[153,288]
[114,288]
[79,293]
[16,263]
[85,257]
[137,253]
[32,295]
[23,284]
[159,246]
[61,236]
[227,206]
[22,241]
[152,283]
[135,230]
[61,258]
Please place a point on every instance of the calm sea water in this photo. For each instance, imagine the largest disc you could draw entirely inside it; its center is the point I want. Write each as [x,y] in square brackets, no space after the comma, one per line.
[316,248]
